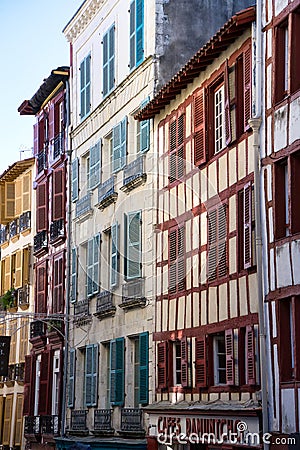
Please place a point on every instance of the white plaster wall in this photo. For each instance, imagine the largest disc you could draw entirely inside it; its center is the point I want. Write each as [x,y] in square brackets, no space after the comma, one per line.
[283,267]
[296,261]
[288,410]
[294,121]
[280,128]
[280,5]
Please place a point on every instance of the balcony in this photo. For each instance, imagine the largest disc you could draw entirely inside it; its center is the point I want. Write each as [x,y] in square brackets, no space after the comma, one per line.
[107,193]
[10,378]
[4,233]
[83,208]
[134,175]
[37,329]
[49,425]
[23,296]
[41,161]
[13,228]
[133,294]
[131,420]
[57,231]
[78,422]
[105,306]
[58,145]
[103,422]
[82,312]
[19,372]
[32,425]
[40,242]
[25,221]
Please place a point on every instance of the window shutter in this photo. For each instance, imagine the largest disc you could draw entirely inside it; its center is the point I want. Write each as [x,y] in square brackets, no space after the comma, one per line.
[13,327]
[74,275]
[228,135]
[58,284]
[144,131]
[58,194]
[88,84]
[18,269]
[2,403]
[42,200]
[250,355]
[2,205]
[132,35]
[176,260]
[96,263]
[25,266]
[7,419]
[105,64]
[111,69]
[247,225]
[139,31]
[91,373]
[9,200]
[123,150]
[114,271]
[116,150]
[222,240]
[90,267]
[35,139]
[295,63]
[144,368]
[7,277]
[23,339]
[82,89]
[44,406]
[41,288]
[162,368]
[19,420]
[199,128]
[200,363]
[134,245]
[75,179]
[229,348]
[28,385]
[51,133]
[95,166]
[26,200]
[247,87]
[117,377]
[185,378]
[72,372]
[18,198]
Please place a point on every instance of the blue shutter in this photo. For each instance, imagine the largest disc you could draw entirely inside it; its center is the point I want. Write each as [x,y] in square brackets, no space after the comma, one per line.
[144,368]
[75,179]
[111,70]
[85,86]
[95,166]
[123,149]
[95,376]
[82,89]
[132,35]
[139,31]
[116,151]
[114,269]
[71,385]
[74,275]
[144,131]
[91,372]
[96,262]
[117,378]
[90,267]
[105,64]
[134,245]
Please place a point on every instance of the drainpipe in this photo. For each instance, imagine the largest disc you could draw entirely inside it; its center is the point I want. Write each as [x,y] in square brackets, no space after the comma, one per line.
[255,124]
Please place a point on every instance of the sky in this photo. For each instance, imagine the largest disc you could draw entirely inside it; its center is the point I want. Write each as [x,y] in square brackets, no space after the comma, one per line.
[32,44]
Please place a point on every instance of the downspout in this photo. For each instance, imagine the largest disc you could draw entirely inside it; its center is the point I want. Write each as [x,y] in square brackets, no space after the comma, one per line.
[255,124]
[69,230]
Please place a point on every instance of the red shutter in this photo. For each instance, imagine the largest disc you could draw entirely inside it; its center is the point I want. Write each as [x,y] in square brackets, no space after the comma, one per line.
[58,285]
[229,347]
[295,189]
[250,355]
[279,200]
[199,128]
[58,194]
[228,135]
[247,225]
[279,72]
[42,200]
[247,87]
[201,363]
[185,381]
[45,383]
[41,135]
[162,351]
[51,123]
[41,288]
[28,385]
[35,139]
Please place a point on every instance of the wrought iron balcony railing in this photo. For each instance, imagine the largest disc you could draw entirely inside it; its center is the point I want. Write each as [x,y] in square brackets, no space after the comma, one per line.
[133,293]
[41,161]
[57,230]
[83,206]
[40,241]
[25,221]
[23,296]
[107,193]
[32,425]
[134,174]
[78,420]
[103,421]
[82,311]
[13,228]
[4,233]
[50,425]
[19,372]
[105,306]
[58,145]
[10,377]
[131,420]
[37,328]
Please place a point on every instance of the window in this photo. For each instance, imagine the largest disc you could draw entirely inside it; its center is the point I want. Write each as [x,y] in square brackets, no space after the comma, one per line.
[56,383]
[174,363]
[85,87]
[114,255]
[37,385]
[176,260]
[94,166]
[58,284]
[42,200]
[58,194]
[246,227]
[176,148]
[91,375]
[109,60]
[119,145]
[74,264]
[217,243]
[288,317]
[143,132]
[72,372]
[75,180]
[219,119]
[41,288]
[219,359]
[117,371]
[136,33]
[133,245]
[93,265]
[141,369]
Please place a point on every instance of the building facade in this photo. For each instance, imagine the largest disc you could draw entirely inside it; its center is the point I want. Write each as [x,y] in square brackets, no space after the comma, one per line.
[206,337]
[43,383]
[17,295]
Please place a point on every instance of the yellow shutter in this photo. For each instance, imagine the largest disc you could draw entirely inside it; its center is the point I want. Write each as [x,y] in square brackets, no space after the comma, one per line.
[19,420]
[23,339]
[18,200]
[26,192]
[9,200]
[2,276]
[25,266]
[2,403]
[7,276]
[7,419]
[13,341]
[2,203]
[18,270]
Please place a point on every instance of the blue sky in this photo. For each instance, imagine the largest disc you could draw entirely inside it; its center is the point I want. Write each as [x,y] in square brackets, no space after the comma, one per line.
[32,44]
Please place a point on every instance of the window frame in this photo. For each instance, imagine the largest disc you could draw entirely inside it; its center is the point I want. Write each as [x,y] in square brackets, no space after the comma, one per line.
[135,28]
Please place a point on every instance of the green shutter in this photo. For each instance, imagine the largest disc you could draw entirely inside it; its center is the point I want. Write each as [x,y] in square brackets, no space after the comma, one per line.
[75,179]
[123,149]
[134,245]
[95,166]
[132,35]
[116,152]
[96,262]
[90,267]
[117,378]
[71,386]
[82,89]
[105,64]
[74,275]
[114,273]
[91,375]
[144,131]
[85,86]
[139,31]
[109,60]
[144,368]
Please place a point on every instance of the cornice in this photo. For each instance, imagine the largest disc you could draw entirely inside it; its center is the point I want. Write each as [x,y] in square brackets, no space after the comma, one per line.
[82,18]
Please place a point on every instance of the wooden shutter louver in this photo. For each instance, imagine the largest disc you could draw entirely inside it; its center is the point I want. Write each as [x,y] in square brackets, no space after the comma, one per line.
[201,363]
[19,421]
[132,35]
[35,139]
[26,200]
[134,245]
[42,200]
[71,384]
[91,373]
[144,368]
[199,128]
[45,383]
[247,88]
[58,285]
[13,326]
[212,246]
[95,166]
[247,226]
[228,135]
[28,384]
[51,133]
[114,274]
[162,374]
[75,179]
[117,375]
[250,355]
[26,266]
[222,241]
[7,276]
[185,369]
[41,288]
[2,405]
[18,283]
[229,348]
[176,260]
[18,196]
[58,194]
[7,419]
[23,339]
[74,275]
[9,200]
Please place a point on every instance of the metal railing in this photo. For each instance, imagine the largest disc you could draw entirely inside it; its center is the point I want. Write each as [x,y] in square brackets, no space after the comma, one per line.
[58,145]
[133,293]
[40,241]
[83,206]
[57,229]
[78,420]
[41,161]
[13,228]
[19,372]
[82,310]
[105,304]
[23,295]
[131,419]
[50,425]
[102,420]
[4,233]
[107,193]
[37,328]
[25,221]
[32,425]
[134,174]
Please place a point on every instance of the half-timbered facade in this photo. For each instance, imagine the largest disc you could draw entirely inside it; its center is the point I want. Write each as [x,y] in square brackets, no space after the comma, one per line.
[44,365]
[16,290]
[280,189]
[206,311]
